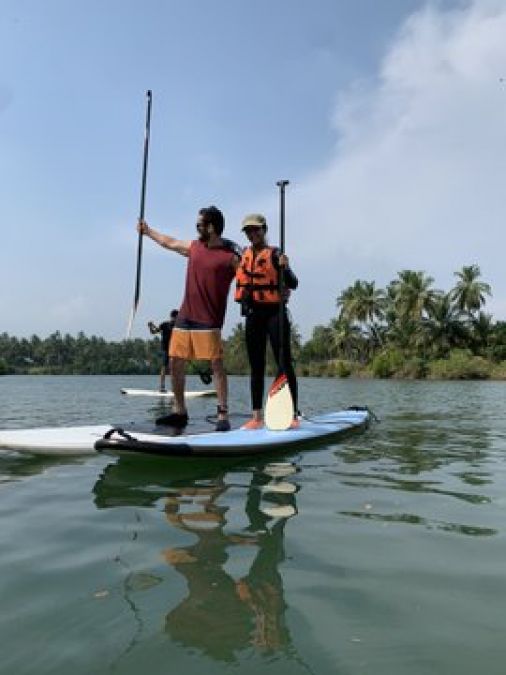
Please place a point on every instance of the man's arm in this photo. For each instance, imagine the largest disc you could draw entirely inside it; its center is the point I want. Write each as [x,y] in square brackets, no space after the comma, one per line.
[235,262]
[236,250]
[177,245]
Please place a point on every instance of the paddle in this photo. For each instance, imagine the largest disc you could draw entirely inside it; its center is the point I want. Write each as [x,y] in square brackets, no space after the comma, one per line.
[279,409]
[141,212]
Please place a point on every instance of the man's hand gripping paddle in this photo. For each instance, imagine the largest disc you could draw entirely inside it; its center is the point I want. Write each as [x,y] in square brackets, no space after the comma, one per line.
[278,413]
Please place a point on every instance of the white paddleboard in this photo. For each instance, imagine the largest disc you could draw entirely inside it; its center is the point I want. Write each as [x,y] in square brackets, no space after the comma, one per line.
[59,441]
[168,394]
[81,440]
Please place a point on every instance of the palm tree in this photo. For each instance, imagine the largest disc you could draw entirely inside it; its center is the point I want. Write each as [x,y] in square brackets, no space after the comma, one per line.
[413,296]
[346,303]
[481,332]
[444,326]
[347,340]
[362,302]
[469,293]
[365,304]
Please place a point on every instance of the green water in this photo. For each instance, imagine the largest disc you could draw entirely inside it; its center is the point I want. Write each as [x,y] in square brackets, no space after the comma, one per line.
[383,554]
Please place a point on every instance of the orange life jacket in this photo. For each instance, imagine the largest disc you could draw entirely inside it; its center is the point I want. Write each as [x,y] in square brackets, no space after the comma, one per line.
[257,277]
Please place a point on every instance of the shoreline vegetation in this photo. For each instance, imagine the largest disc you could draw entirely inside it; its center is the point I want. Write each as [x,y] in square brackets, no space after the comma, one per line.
[409,330]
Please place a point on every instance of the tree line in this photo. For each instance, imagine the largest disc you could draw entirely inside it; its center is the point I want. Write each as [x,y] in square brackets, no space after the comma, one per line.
[412,329]
[408,329]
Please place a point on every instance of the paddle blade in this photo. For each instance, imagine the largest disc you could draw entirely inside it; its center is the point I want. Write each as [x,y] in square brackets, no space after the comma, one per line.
[279,405]
[130,323]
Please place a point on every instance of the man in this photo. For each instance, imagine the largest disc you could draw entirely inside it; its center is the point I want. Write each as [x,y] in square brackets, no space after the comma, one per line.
[165,328]
[212,262]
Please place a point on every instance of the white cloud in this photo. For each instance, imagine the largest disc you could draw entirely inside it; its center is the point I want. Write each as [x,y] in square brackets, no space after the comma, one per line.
[420,165]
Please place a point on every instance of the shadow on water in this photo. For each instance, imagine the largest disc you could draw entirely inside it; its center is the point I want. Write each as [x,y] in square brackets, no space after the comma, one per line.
[236,516]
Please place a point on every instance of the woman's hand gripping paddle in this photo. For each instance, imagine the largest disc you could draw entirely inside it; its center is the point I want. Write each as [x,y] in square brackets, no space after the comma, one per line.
[278,413]
[141,213]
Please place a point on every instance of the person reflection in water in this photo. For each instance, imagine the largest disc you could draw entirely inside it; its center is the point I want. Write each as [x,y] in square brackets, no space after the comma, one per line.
[222,615]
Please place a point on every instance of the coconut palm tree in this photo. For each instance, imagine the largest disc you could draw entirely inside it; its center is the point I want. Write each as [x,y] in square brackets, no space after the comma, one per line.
[346,302]
[444,326]
[469,293]
[413,296]
[362,302]
[348,340]
[481,332]
[365,304]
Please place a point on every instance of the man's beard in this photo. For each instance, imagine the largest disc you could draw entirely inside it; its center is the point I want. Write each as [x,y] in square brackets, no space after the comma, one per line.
[204,236]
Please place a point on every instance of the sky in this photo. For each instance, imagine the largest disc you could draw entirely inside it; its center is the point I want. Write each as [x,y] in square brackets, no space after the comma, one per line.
[388,118]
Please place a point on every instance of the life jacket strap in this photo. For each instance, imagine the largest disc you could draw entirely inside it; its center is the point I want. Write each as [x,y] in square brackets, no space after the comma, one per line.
[258,287]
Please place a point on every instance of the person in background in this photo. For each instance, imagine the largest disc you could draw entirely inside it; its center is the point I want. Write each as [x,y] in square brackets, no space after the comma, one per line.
[165,328]
[257,289]
[212,261]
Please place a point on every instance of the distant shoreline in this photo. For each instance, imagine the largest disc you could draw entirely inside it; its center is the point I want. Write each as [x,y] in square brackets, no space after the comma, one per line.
[459,366]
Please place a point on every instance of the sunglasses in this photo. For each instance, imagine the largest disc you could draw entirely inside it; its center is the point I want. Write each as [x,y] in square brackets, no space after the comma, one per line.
[250,229]
[202,224]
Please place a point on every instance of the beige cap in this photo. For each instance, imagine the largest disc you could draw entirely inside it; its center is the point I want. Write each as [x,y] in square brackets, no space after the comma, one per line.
[255,219]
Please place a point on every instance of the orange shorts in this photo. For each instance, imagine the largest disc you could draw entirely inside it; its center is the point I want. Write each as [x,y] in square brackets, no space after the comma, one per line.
[203,345]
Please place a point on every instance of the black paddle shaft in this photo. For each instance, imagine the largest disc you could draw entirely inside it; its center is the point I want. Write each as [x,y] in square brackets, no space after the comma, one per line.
[281,280]
[143,199]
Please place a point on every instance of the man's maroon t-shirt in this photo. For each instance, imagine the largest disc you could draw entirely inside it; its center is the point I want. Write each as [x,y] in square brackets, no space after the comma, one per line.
[208,278]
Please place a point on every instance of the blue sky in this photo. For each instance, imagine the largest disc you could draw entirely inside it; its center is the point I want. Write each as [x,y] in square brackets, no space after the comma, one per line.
[388,118]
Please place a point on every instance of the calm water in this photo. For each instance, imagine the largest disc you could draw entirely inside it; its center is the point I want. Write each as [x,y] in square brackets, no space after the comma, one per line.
[385,554]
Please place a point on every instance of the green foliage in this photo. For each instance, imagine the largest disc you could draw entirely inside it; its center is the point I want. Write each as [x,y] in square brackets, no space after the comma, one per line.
[409,330]
[235,354]
[469,293]
[65,355]
[319,347]
[362,302]
[499,371]
[497,342]
[342,369]
[414,368]
[387,363]
[399,331]
[460,365]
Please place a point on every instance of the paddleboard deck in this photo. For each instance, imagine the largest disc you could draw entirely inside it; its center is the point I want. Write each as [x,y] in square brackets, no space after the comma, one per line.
[57,442]
[195,441]
[168,394]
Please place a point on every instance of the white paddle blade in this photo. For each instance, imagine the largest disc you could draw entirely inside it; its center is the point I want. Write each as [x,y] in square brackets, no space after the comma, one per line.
[279,511]
[130,323]
[279,406]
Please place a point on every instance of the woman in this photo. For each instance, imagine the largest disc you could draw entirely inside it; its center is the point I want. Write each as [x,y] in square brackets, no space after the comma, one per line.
[257,289]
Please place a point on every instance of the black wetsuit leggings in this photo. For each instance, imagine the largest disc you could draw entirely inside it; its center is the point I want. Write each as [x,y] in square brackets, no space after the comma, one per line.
[262,322]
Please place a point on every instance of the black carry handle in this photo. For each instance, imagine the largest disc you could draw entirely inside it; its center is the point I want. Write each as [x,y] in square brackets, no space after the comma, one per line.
[206,376]
[141,210]
[281,280]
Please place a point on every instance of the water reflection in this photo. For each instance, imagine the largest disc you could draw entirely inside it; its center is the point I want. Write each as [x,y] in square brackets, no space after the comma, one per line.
[15,466]
[236,519]
[434,456]
[413,519]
